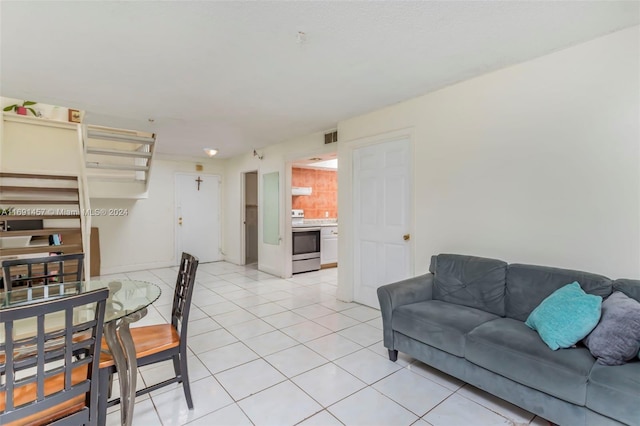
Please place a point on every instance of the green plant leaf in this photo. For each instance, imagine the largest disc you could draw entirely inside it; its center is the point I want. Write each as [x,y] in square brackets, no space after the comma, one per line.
[10,107]
[27,103]
[33,111]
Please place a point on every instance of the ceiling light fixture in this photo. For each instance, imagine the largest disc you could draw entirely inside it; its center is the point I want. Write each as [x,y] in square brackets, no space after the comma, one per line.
[210,151]
[301,37]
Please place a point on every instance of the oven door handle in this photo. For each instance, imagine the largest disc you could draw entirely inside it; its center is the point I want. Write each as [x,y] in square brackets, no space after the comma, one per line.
[305,229]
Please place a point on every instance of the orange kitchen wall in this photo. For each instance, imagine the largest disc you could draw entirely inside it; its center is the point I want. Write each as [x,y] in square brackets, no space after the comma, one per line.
[324,192]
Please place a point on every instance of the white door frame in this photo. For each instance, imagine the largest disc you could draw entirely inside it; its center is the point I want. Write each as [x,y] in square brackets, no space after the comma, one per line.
[346,223]
[178,252]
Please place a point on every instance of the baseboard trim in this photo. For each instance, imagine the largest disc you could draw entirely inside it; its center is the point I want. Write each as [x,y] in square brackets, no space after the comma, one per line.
[138,267]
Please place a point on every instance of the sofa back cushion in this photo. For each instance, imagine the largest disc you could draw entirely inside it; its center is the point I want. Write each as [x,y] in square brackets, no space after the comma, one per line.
[629,287]
[471,281]
[528,285]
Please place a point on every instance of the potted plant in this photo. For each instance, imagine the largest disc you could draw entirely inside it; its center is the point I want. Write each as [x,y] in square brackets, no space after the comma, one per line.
[22,109]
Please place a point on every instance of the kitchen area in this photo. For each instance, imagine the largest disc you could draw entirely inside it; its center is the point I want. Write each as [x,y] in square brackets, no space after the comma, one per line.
[314,214]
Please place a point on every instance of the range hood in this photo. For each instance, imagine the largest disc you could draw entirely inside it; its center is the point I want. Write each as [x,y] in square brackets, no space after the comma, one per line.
[301,190]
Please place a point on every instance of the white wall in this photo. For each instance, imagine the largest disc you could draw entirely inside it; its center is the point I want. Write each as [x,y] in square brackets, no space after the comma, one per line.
[31,145]
[274,259]
[145,238]
[536,163]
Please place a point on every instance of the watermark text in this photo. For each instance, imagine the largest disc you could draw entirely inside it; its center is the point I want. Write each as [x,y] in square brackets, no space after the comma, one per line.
[68,212]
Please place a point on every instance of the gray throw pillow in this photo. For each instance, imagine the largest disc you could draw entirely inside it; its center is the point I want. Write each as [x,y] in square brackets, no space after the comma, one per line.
[616,338]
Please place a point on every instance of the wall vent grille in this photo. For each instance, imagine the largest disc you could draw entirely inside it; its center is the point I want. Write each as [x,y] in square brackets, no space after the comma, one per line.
[331,137]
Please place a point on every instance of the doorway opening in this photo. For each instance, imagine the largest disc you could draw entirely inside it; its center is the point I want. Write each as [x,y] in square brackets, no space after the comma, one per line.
[314,210]
[250,217]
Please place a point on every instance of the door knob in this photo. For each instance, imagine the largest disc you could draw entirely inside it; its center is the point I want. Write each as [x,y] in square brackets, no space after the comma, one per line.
[179,221]
[406,237]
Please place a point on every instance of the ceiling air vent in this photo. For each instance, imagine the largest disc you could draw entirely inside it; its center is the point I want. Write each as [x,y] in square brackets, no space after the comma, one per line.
[331,137]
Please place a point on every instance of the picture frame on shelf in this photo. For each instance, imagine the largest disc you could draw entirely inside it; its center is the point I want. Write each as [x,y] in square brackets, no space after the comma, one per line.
[74,116]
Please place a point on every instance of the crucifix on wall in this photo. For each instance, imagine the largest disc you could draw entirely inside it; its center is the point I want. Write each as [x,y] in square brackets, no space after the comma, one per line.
[199,182]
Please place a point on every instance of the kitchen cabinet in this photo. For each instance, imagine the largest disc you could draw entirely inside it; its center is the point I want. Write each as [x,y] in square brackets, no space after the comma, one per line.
[329,245]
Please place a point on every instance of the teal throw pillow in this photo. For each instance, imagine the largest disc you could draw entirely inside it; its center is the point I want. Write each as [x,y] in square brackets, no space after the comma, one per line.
[566,316]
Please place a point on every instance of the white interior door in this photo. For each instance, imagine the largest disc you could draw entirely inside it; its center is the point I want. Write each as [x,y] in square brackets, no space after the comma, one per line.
[382,217]
[198,216]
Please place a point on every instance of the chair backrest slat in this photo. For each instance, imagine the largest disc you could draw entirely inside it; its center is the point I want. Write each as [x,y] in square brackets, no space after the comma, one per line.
[68,347]
[48,270]
[40,365]
[8,372]
[183,293]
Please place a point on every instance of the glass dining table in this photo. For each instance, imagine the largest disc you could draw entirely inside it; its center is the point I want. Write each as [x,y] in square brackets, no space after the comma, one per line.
[127,303]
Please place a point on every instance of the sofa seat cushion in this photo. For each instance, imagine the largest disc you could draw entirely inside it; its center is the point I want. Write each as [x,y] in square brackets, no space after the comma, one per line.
[508,347]
[439,324]
[614,391]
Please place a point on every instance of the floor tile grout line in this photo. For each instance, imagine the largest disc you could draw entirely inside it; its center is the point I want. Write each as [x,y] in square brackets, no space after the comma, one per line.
[299,343]
[437,405]
[319,302]
[324,409]
[488,408]
[278,328]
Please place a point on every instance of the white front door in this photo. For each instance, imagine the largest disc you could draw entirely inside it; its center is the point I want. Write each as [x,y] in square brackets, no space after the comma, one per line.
[198,216]
[382,217]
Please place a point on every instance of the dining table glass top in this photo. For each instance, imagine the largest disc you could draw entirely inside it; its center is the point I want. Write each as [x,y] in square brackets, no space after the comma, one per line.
[126,297]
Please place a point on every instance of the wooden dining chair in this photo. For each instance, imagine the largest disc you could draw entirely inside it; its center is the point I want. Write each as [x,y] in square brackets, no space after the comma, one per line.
[162,342]
[42,270]
[43,382]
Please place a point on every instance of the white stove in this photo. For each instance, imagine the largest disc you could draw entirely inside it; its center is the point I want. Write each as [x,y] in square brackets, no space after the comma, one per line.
[297,217]
[305,244]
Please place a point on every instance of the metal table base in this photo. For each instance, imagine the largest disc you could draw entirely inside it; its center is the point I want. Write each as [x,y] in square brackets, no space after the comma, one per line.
[118,337]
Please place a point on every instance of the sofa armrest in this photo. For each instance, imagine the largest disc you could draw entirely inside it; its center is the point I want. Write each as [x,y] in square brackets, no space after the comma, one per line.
[390,296]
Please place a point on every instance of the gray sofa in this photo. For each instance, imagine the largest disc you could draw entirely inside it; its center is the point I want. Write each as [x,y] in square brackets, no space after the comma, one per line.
[466,318]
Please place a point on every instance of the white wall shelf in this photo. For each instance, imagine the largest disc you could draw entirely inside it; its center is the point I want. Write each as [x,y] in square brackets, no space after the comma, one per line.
[38,121]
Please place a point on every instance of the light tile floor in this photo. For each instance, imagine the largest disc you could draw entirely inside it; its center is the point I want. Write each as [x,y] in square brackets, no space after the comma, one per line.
[268,351]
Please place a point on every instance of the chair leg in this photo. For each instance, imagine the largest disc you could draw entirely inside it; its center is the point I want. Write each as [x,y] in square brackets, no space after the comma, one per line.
[393,355]
[176,365]
[104,391]
[110,386]
[184,373]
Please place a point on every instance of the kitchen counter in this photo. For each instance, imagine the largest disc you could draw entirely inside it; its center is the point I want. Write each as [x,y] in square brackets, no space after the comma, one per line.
[316,223]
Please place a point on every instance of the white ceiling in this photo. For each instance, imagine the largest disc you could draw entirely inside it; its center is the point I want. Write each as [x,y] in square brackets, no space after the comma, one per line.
[232,76]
